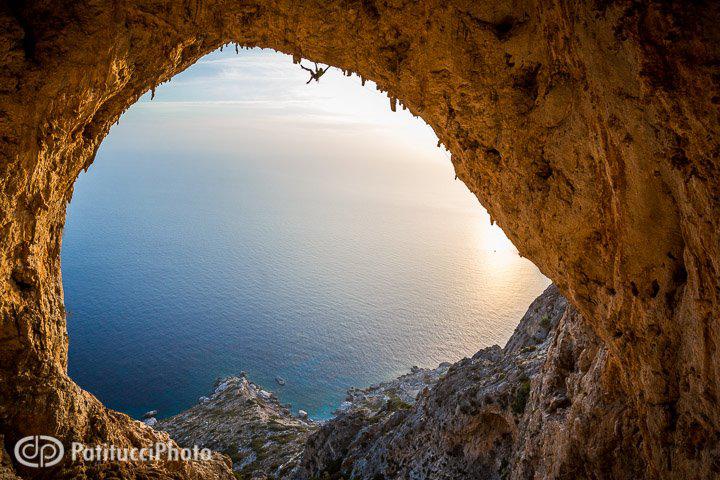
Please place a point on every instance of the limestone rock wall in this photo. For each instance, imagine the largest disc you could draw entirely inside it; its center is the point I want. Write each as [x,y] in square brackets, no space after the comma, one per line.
[589,130]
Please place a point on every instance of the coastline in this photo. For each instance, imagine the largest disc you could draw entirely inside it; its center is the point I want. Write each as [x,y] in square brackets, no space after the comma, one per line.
[264,439]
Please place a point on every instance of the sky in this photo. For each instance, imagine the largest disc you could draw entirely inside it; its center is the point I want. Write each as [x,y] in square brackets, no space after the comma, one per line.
[257,101]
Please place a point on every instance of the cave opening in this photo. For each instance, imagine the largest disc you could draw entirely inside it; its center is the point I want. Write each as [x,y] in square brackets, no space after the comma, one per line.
[587,129]
[238,220]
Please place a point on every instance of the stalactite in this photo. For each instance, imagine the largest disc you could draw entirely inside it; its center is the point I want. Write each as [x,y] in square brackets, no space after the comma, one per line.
[393,104]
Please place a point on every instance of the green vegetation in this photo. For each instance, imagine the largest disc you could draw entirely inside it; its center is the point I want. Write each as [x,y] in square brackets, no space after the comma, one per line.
[284,438]
[395,404]
[232,452]
[545,322]
[276,426]
[504,470]
[522,393]
[257,445]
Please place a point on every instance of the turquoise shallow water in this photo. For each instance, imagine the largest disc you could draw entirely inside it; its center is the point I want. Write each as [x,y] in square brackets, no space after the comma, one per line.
[214,237]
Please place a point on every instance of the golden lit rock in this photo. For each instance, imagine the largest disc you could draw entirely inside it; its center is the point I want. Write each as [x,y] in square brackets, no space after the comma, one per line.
[589,130]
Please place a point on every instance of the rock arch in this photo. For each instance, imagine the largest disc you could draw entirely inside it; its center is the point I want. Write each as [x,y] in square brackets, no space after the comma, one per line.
[589,130]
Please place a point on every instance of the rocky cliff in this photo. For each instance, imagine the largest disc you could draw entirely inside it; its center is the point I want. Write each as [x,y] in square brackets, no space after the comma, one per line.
[589,130]
[247,423]
[478,418]
[468,422]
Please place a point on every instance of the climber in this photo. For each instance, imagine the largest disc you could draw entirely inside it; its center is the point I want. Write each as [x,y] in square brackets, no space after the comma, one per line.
[315,75]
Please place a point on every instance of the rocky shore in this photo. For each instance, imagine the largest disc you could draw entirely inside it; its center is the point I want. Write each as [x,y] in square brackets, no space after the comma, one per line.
[263,438]
[461,420]
[464,422]
[245,422]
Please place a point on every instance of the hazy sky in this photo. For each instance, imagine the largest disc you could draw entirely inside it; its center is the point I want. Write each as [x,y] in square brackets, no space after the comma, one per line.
[257,101]
[264,89]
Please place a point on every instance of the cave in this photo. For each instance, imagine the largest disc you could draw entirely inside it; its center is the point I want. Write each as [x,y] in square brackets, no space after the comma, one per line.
[588,130]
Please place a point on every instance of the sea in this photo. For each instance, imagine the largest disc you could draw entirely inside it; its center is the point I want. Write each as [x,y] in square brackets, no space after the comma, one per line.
[245,221]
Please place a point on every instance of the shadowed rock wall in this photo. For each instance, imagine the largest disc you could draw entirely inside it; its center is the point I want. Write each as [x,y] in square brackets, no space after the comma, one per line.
[589,130]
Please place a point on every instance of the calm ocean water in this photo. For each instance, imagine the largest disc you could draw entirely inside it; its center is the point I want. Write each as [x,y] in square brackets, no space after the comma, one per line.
[216,235]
